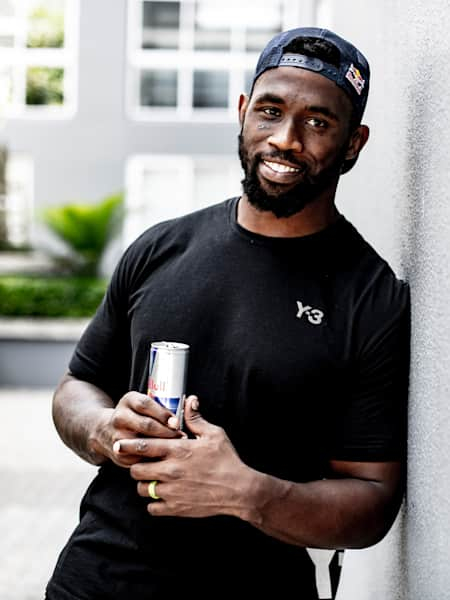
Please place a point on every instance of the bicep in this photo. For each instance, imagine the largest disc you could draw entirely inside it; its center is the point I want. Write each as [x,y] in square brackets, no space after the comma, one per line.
[386,479]
[102,355]
[371,420]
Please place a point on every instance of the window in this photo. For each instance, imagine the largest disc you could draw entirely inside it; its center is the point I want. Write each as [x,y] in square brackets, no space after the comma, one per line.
[190,59]
[16,199]
[38,57]
[163,187]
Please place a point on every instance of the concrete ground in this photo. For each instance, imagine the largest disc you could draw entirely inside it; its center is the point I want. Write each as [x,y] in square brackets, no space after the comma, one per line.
[41,484]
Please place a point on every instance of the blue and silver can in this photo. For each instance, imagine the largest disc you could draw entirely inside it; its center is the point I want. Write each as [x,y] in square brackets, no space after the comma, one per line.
[167,375]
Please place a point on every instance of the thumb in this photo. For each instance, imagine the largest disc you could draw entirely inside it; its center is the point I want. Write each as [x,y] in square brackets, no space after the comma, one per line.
[192,418]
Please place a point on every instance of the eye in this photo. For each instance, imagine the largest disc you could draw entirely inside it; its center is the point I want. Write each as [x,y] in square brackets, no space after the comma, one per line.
[317,123]
[271,111]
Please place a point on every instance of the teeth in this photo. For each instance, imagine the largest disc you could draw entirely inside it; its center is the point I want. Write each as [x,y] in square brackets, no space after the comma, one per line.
[281,168]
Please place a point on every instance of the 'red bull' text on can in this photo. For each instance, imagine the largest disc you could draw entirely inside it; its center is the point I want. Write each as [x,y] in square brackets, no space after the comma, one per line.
[167,375]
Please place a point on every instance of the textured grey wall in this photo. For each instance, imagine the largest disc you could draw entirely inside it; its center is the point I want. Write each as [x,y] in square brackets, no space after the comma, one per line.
[403,208]
[425,80]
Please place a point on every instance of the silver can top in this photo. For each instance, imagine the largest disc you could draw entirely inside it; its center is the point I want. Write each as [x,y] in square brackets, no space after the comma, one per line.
[175,346]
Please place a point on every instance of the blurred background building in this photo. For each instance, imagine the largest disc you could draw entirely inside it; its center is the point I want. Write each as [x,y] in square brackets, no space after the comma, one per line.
[140,96]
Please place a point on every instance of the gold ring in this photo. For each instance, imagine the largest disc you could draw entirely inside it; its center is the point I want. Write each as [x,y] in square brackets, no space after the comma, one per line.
[152,490]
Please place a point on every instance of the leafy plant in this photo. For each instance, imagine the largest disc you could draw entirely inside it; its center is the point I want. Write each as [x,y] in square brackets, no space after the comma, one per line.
[45,85]
[37,296]
[86,230]
[46,28]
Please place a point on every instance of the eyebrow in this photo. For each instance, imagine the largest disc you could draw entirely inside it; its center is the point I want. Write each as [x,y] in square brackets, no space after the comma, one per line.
[267,97]
[324,110]
[274,99]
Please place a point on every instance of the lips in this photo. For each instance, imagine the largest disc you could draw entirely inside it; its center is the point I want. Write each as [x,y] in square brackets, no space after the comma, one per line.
[280,172]
[281,168]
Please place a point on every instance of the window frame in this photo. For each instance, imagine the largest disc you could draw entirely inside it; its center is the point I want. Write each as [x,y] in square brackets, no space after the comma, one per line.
[186,61]
[20,178]
[20,58]
[186,167]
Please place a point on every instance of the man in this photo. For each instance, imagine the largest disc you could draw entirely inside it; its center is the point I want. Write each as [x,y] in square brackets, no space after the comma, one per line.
[294,433]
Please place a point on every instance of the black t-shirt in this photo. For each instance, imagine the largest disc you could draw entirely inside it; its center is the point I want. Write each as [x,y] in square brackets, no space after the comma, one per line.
[299,349]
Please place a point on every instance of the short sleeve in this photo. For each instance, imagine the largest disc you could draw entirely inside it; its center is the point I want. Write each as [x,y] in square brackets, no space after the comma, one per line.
[103,354]
[371,421]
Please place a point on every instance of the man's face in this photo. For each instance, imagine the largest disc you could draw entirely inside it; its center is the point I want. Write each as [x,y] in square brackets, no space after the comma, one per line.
[294,139]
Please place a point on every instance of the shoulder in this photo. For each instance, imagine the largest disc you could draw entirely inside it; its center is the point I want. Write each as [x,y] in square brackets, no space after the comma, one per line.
[380,299]
[181,228]
[372,275]
[382,308]
[167,239]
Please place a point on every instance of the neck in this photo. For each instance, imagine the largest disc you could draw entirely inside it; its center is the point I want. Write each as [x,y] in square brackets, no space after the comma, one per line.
[313,218]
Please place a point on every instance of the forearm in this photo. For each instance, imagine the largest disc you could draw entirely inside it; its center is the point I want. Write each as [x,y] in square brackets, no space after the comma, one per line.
[331,513]
[204,476]
[80,412]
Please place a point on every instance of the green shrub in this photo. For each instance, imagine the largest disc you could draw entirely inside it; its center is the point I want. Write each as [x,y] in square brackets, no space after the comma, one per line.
[45,85]
[36,296]
[86,229]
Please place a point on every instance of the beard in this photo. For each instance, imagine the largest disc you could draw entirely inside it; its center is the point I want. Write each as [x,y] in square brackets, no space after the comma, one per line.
[290,202]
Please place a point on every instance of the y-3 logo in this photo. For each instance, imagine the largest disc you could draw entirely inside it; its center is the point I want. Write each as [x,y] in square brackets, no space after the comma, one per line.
[313,315]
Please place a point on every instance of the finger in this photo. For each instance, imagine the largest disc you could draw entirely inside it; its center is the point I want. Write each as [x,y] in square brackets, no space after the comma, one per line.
[173,422]
[140,424]
[125,418]
[146,471]
[143,488]
[158,508]
[116,447]
[148,406]
[193,419]
[122,459]
[150,448]
[125,461]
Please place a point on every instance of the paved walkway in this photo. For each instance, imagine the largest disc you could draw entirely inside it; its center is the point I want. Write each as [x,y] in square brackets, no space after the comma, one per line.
[41,484]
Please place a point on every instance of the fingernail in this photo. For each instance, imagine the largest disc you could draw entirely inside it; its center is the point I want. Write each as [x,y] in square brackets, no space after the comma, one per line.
[195,404]
[172,422]
[116,447]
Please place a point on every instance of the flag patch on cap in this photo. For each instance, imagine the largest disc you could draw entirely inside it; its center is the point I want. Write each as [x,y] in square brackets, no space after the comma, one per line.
[356,79]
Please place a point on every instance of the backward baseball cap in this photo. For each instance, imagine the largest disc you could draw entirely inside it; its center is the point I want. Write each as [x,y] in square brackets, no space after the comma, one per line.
[352,75]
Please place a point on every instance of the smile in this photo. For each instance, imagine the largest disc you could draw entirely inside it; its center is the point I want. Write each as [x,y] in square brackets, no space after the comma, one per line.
[279,168]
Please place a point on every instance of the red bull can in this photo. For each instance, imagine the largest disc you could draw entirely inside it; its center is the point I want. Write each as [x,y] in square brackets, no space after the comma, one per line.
[167,375]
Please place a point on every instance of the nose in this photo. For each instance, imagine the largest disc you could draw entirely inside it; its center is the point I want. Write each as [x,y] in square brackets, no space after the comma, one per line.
[286,136]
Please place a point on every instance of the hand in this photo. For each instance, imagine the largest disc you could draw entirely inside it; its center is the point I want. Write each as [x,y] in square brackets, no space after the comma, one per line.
[135,415]
[196,477]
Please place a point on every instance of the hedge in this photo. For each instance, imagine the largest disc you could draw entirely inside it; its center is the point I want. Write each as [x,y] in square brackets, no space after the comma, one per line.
[37,296]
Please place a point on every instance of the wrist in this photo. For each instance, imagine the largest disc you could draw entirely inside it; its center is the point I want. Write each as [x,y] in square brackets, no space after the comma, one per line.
[98,444]
[251,490]
[261,492]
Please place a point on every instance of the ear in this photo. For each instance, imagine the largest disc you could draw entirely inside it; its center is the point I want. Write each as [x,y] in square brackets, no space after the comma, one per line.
[357,142]
[243,104]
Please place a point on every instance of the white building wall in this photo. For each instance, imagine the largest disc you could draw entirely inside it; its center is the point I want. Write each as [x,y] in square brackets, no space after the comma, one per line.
[84,158]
